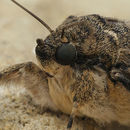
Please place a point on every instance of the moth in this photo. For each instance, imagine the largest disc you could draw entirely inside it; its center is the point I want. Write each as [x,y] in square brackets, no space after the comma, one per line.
[83,69]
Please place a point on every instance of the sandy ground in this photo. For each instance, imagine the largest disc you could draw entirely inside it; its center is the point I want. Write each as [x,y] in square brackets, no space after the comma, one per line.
[18,32]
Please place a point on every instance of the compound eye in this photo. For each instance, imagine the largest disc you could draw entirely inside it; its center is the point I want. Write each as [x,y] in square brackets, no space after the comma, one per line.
[65,54]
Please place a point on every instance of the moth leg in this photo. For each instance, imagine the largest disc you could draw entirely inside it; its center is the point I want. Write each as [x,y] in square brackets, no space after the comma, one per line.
[32,78]
[72,115]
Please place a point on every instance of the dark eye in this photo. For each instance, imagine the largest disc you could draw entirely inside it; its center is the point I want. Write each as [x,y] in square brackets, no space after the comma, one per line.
[66,54]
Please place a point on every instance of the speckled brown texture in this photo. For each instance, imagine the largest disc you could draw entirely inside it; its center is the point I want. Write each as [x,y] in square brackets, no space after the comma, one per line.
[17,40]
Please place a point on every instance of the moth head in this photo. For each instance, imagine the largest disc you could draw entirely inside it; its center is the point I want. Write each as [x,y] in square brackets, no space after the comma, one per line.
[56,50]
[53,54]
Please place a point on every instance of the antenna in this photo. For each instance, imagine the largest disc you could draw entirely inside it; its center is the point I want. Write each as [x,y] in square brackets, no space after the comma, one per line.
[36,17]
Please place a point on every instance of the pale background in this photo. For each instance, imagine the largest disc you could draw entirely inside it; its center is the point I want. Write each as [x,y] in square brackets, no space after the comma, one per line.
[18,30]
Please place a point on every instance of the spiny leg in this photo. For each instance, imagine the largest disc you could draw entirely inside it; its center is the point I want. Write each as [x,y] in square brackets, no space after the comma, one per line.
[30,76]
[72,115]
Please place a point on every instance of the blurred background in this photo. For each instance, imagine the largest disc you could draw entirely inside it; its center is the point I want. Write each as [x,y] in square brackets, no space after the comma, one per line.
[19,31]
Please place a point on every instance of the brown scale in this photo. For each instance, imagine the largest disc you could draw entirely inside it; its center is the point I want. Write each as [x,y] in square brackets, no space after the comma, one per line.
[70,75]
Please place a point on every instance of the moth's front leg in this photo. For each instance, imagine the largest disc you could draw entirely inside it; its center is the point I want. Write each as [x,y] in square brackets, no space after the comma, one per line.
[30,76]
